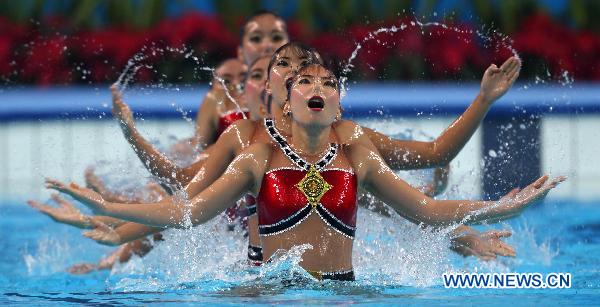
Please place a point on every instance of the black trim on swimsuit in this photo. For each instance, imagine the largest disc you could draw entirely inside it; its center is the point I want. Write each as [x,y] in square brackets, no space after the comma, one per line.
[335,223]
[251,209]
[284,225]
[303,213]
[348,276]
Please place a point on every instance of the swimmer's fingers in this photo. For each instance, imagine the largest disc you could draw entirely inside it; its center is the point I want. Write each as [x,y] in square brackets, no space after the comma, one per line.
[497,234]
[492,70]
[82,268]
[70,189]
[512,64]
[513,71]
[103,234]
[507,64]
[539,182]
[64,204]
[497,245]
[40,207]
[538,190]
[55,185]
[503,249]
[556,181]
[510,195]
[93,182]
[486,255]
[480,253]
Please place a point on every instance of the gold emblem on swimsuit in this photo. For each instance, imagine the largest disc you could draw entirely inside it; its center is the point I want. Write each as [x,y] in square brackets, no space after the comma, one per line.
[313,186]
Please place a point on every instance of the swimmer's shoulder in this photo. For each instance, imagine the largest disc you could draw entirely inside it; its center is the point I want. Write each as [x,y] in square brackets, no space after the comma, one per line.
[260,133]
[359,156]
[349,132]
[257,156]
[237,136]
[241,128]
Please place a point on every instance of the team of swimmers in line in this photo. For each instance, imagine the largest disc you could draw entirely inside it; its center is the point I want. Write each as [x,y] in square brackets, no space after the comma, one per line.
[271,149]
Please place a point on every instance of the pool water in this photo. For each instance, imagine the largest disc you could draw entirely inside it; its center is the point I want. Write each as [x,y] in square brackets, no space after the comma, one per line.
[395,263]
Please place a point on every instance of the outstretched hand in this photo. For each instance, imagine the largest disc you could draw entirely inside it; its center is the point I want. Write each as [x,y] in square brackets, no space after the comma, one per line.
[497,80]
[103,234]
[86,196]
[121,110]
[65,213]
[94,182]
[517,200]
[484,245]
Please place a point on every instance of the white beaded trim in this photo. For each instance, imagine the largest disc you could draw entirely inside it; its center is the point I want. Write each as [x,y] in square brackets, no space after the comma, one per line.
[337,220]
[338,169]
[336,272]
[292,168]
[285,220]
[304,218]
[285,147]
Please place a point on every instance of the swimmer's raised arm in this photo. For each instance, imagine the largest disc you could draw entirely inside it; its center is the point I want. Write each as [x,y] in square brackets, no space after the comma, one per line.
[402,154]
[206,123]
[240,177]
[156,162]
[377,178]
[235,137]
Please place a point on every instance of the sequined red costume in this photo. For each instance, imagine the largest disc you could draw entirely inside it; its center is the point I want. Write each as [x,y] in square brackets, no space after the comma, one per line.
[226,119]
[283,203]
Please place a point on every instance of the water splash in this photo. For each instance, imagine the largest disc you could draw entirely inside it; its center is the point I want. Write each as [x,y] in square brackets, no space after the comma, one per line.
[143,58]
[51,256]
[489,38]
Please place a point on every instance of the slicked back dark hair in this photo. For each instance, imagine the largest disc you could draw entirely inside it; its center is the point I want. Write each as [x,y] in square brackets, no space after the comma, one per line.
[299,50]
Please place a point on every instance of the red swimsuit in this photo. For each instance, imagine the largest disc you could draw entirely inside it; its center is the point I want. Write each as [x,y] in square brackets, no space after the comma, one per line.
[289,195]
[228,118]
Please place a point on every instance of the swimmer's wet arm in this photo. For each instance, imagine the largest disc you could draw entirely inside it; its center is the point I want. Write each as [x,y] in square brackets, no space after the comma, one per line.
[157,163]
[407,201]
[109,221]
[131,231]
[412,154]
[405,154]
[236,137]
[239,178]
[206,121]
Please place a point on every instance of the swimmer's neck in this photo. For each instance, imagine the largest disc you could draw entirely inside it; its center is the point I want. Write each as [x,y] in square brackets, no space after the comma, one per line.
[282,122]
[310,139]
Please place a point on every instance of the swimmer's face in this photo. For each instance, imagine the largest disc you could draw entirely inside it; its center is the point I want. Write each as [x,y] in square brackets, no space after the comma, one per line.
[314,96]
[262,36]
[232,72]
[255,85]
[286,64]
